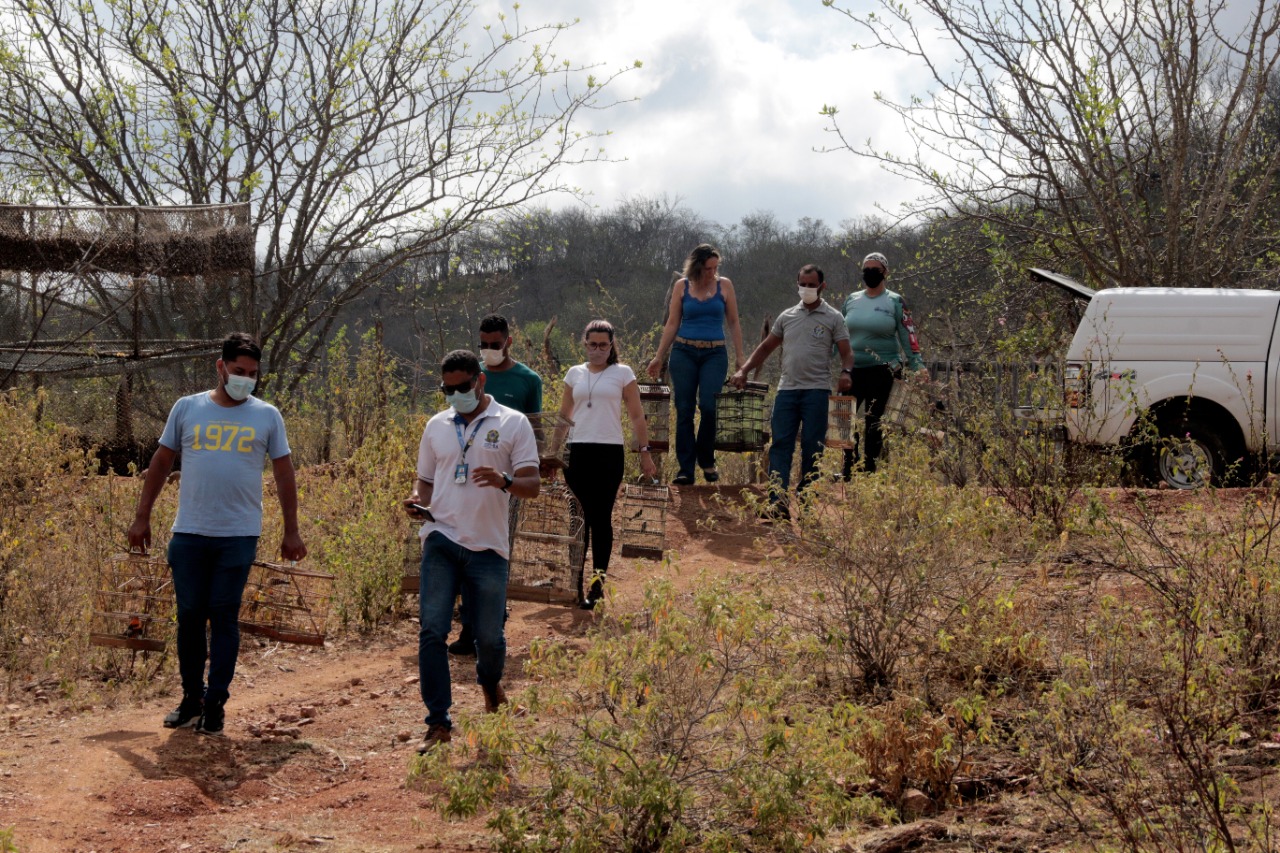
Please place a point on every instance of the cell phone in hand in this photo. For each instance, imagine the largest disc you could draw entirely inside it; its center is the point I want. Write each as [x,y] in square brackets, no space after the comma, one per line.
[424,511]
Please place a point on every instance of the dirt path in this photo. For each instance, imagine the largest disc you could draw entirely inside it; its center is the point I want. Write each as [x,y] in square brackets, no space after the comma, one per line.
[318,742]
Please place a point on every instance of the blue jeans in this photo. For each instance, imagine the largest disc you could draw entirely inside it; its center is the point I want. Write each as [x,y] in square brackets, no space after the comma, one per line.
[696,377]
[209,574]
[481,577]
[802,412]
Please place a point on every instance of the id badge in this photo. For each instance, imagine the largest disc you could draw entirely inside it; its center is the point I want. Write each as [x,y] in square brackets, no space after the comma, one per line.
[460,474]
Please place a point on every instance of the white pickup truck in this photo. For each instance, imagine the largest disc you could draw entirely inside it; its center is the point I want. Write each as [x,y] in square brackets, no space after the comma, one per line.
[1190,377]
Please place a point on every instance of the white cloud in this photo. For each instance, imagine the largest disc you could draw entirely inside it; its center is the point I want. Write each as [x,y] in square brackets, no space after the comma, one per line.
[728,111]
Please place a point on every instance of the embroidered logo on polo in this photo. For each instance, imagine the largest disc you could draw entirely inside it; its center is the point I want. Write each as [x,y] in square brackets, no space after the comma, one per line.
[491,439]
[818,331]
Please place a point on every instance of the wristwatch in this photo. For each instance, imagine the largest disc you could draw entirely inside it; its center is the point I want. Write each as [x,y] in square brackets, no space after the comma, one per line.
[507,480]
[848,370]
[644,449]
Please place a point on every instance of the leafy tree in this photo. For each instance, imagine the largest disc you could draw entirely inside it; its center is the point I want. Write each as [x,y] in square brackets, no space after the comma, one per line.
[1133,142]
[366,133]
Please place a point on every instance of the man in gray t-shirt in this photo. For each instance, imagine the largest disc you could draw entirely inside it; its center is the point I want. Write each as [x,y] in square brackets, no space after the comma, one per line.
[809,330]
[224,437]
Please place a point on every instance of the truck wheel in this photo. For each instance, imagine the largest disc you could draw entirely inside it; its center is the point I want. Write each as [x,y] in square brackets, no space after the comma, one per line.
[1189,455]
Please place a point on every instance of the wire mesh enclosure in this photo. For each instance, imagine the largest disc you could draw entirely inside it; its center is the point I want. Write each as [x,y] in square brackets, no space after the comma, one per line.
[550,430]
[286,603]
[549,548]
[133,607]
[843,424]
[908,405]
[117,311]
[644,520]
[178,240]
[412,559]
[655,399]
[741,418]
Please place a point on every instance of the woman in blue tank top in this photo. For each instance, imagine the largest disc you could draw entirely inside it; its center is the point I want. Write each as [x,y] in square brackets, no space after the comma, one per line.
[701,304]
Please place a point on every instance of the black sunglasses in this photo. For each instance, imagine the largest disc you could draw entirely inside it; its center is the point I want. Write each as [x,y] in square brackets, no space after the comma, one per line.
[460,388]
[493,345]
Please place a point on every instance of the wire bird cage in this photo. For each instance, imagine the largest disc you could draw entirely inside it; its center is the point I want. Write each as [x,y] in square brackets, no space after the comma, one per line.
[133,607]
[908,405]
[740,418]
[655,400]
[843,424]
[644,520]
[412,559]
[550,430]
[549,548]
[286,603]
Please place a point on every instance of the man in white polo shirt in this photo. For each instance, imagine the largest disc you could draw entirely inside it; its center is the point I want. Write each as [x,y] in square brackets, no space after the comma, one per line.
[473,457]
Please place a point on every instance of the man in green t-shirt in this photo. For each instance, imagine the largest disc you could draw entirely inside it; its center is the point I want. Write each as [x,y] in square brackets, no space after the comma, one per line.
[508,381]
[515,386]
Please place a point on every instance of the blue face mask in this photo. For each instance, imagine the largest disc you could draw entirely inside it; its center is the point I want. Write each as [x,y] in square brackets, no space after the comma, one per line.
[463,402]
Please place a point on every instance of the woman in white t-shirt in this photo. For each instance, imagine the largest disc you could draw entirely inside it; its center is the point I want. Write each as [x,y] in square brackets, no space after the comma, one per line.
[593,396]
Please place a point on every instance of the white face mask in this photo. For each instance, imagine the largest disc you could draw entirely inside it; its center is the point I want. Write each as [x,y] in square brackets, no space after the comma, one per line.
[808,295]
[493,357]
[239,387]
[598,356]
[465,402]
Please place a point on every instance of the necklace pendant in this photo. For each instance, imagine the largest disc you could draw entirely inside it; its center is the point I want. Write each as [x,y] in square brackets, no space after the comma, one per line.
[588,404]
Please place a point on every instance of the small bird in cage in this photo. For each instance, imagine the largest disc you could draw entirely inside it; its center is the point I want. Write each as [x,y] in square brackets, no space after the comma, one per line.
[135,627]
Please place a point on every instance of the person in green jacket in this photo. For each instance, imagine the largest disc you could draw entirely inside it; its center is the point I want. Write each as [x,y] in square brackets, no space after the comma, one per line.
[881,336]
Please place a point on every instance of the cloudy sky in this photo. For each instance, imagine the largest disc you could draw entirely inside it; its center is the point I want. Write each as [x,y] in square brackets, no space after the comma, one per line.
[727,116]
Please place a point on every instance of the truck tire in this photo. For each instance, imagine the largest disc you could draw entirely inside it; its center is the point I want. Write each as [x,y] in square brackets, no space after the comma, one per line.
[1191,454]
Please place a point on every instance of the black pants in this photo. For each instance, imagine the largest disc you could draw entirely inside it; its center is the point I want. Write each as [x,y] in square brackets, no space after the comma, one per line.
[594,474]
[872,385]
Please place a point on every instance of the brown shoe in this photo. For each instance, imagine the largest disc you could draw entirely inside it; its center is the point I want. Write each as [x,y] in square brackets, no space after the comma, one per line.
[436,734]
[495,697]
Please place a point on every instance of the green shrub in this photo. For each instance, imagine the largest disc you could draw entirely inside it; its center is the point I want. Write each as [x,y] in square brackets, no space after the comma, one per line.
[677,729]
[878,570]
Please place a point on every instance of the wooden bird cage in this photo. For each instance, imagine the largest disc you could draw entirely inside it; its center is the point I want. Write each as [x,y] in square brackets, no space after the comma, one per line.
[741,417]
[644,520]
[549,548]
[133,607]
[843,423]
[550,430]
[412,559]
[908,405]
[655,399]
[286,603]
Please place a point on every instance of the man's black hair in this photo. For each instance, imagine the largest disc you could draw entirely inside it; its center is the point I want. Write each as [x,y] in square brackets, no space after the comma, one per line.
[808,268]
[237,344]
[495,323]
[460,359]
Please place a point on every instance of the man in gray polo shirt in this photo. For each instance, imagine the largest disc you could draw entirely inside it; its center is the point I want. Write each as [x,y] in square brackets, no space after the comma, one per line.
[809,330]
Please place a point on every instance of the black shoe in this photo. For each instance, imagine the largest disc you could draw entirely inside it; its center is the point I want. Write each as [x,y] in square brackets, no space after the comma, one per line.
[683,480]
[465,645]
[594,595]
[186,714]
[211,720]
[711,475]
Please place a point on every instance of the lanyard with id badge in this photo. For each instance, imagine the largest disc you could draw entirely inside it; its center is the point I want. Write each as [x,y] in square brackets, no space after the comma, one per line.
[462,468]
